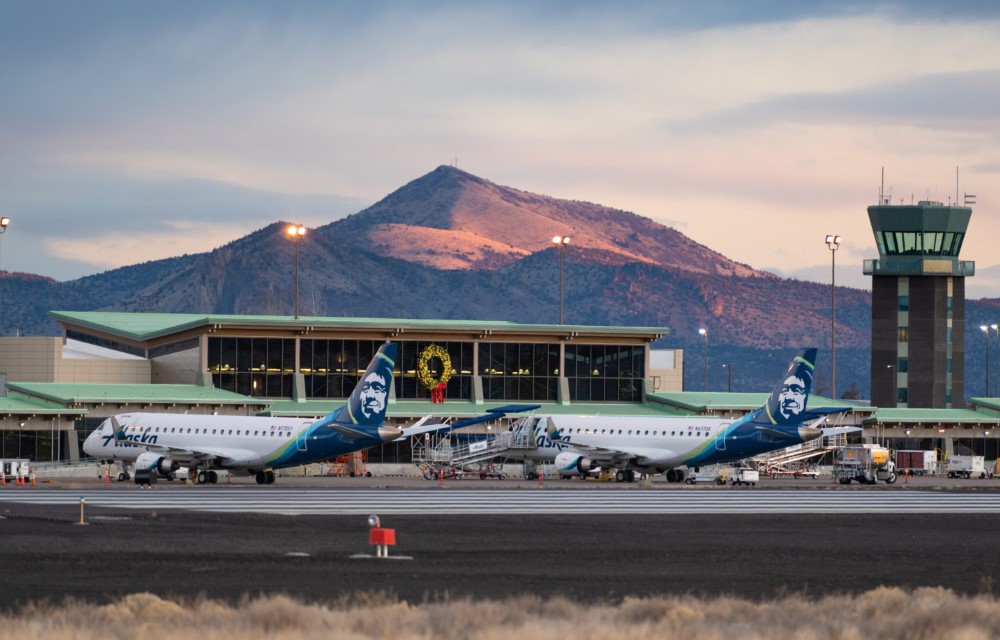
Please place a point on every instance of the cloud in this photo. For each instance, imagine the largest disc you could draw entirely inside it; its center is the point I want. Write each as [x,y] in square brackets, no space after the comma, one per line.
[735,121]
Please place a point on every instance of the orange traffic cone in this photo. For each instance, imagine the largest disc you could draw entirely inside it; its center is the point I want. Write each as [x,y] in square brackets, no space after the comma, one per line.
[33,480]
[3,477]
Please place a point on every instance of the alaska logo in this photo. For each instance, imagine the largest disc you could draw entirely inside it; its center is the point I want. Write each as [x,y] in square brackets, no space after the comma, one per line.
[132,439]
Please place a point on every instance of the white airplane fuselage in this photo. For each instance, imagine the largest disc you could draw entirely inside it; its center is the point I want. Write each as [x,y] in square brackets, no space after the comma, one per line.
[656,442]
[235,442]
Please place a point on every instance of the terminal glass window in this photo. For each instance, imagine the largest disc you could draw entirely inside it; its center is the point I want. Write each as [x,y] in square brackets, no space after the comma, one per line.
[332,368]
[516,371]
[605,373]
[259,367]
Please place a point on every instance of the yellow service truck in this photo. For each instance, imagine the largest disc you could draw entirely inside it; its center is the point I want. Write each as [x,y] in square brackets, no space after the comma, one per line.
[865,464]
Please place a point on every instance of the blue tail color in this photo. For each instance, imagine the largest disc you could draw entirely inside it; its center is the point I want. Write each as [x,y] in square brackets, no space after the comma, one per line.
[777,424]
[370,398]
[787,402]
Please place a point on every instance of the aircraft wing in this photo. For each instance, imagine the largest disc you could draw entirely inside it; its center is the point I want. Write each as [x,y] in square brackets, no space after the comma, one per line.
[836,431]
[420,426]
[185,457]
[604,456]
[600,455]
[812,414]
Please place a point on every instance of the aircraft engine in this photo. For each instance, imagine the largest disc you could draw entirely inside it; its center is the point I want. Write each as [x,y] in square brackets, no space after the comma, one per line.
[567,461]
[161,464]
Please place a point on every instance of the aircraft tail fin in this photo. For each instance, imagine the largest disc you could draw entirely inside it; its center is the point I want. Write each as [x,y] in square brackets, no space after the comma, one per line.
[786,405]
[369,400]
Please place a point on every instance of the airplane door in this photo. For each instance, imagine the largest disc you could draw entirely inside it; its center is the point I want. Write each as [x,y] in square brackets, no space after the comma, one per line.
[720,437]
[300,440]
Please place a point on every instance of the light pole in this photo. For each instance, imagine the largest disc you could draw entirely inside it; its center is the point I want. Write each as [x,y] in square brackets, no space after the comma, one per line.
[986,332]
[4,221]
[704,334]
[560,242]
[996,332]
[892,383]
[729,373]
[833,242]
[296,231]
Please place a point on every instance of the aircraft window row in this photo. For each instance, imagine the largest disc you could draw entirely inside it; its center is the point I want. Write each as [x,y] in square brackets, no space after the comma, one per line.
[638,432]
[239,432]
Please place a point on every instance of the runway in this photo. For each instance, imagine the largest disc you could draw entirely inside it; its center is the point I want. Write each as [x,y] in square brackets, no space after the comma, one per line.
[586,545]
[609,501]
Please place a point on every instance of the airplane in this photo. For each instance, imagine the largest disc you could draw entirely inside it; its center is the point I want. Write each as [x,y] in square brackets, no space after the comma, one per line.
[159,444]
[579,444]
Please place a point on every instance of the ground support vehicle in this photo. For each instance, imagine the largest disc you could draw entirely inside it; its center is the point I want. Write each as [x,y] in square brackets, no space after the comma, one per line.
[865,464]
[966,467]
[916,462]
[440,470]
[712,476]
[488,469]
[14,468]
[744,476]
[778,472]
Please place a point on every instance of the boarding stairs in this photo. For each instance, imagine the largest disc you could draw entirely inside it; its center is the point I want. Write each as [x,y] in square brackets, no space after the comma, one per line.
[442,458]
[798,455]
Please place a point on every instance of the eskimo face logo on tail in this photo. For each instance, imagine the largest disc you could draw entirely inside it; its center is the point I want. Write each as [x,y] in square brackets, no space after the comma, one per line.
[374,391]
[788,400]
[369,400]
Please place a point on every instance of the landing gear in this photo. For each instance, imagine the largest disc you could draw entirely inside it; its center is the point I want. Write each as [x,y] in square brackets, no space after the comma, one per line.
[628,475]
[674,475]
[207,477]
[264,477]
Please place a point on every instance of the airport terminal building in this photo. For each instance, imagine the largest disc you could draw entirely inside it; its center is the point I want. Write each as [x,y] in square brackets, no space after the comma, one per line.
[58,389]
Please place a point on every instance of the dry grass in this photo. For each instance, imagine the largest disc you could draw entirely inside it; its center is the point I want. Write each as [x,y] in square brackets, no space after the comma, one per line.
[882,613]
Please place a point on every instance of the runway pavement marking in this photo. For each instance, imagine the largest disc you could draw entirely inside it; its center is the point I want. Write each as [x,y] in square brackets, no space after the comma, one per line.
[502,501]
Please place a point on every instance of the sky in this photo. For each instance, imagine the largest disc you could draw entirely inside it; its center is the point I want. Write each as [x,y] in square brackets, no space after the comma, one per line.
[135,130]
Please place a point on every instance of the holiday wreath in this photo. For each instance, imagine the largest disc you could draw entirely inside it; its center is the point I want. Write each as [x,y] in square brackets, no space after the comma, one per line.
[423,366]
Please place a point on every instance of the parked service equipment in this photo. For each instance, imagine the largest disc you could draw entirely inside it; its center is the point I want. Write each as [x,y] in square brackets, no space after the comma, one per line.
[745,476]
[865,464]
[711,475]
[14,468]
[966,467]
[916,462]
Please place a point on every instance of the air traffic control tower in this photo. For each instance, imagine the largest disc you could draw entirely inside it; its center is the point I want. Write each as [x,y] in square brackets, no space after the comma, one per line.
[918,304]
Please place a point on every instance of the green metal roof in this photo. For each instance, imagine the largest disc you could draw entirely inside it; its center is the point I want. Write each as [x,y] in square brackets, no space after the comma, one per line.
[148,326]
[464,409]
[66,393]
[20,406]
[700,402]
[988,406]
[933,416]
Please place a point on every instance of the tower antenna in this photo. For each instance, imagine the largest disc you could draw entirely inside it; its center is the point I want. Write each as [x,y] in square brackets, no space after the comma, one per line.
[956,186]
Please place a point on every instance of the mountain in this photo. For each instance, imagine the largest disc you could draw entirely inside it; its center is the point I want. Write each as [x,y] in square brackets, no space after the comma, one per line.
[452,220]
[455,246]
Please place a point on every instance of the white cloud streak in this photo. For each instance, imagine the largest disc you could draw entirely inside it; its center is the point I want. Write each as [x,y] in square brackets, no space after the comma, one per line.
[755,135]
